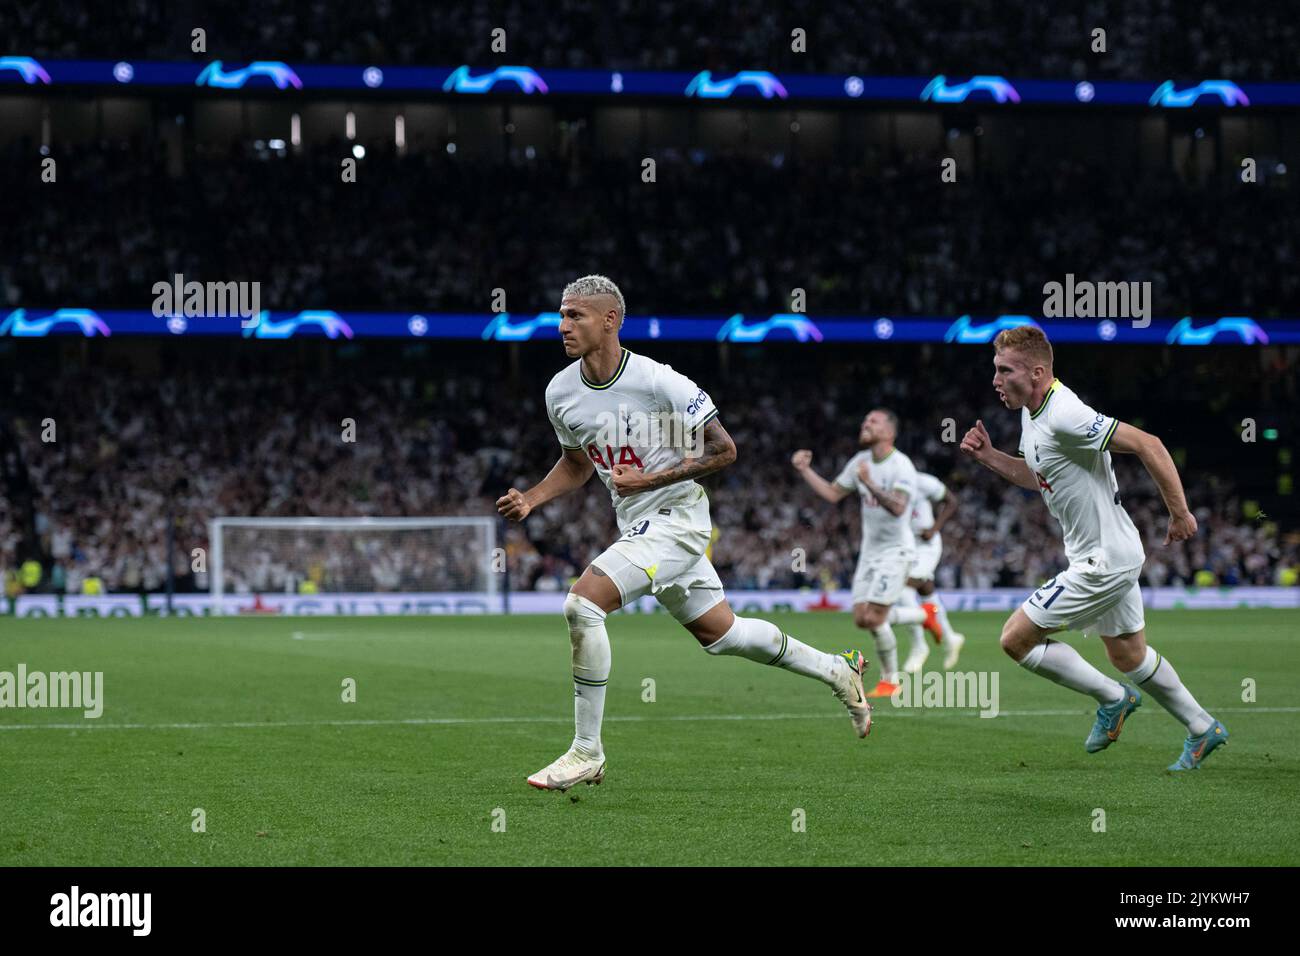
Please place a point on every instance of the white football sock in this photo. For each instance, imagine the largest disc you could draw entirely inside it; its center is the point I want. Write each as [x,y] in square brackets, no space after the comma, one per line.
[905,615]
[887,652]
[1061,664]
[589,643]
[1157,677]
[908,602]
[765,643]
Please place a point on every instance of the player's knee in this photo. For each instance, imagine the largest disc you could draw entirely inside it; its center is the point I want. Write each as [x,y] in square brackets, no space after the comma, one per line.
[1125,655]
[1012,642]
[867,618]
[581,614]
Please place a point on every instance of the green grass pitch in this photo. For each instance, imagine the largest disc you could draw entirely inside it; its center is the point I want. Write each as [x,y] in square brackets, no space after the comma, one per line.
[243,719]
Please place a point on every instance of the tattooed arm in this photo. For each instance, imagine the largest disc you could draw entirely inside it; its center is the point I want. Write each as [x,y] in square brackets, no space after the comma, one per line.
[719,452]
[895,502]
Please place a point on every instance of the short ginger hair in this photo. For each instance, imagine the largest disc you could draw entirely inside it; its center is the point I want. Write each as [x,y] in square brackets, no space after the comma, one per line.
[1029,340]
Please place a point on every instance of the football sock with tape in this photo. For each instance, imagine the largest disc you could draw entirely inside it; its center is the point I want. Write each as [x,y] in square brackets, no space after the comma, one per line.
[765,643]
[1061,664]
[1157,677]
[589,646]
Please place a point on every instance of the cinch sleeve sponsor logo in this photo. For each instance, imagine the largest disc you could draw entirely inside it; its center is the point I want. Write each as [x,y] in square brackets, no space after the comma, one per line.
[697,403]
[1095,427]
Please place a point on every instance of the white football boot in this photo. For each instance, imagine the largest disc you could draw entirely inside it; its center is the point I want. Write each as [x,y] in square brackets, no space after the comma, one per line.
[851,692]
[576,766]
[916,659]
[954,643]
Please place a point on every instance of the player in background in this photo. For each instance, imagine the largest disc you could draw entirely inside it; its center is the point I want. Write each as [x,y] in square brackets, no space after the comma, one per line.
[1064,453]
[648,432]
[886,480]
[926,527]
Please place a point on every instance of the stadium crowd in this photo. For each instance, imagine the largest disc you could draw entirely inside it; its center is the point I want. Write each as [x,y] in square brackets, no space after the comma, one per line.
[432,231]
[196,442]
[1145,39]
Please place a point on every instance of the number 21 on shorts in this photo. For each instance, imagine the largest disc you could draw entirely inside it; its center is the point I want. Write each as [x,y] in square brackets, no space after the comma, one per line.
[1055,589]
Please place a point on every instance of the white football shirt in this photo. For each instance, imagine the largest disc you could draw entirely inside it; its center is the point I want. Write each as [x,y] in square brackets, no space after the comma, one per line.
[647,415]
[1064,443]
[894,472]
[929,492]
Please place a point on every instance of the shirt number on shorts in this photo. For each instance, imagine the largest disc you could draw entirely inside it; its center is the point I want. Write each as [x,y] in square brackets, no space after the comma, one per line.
[1052,586]
[641,528]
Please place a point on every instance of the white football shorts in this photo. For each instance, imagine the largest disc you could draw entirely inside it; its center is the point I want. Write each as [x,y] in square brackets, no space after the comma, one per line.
[882,575]
[1094,602]
[663,554]
[927,558]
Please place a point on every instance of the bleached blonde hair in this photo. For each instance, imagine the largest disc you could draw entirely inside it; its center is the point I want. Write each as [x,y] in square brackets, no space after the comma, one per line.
[596,285]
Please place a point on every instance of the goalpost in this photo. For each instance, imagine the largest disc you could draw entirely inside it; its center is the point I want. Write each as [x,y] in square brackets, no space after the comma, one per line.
[387,557]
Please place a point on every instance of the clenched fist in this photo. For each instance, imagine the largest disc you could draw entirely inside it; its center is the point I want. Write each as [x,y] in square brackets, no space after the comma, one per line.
[629,480]
[1181,527]
[513,505]
[977,443]
[802,459]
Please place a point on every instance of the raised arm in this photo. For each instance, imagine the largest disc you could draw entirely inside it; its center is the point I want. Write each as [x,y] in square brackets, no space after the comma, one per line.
[1155,458]
[979,446]
[569,474]
[802,461]
[719,451]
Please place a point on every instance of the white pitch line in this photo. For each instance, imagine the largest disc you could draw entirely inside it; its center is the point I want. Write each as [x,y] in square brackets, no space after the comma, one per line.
[455,721]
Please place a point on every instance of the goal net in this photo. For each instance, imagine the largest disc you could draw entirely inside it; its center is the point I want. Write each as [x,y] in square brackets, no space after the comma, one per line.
[445,563]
